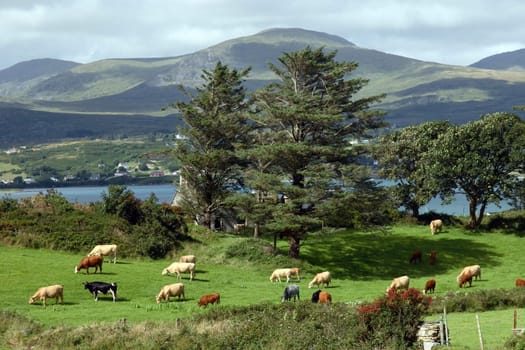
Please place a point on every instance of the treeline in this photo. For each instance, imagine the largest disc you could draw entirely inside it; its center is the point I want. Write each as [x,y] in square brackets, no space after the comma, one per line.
[293,151]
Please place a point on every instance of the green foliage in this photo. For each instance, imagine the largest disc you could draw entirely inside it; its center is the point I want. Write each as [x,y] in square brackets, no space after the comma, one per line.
[402,157]
[304,124]
[50,221]
[122,202]
[478,158]
[477,301]
[216,124]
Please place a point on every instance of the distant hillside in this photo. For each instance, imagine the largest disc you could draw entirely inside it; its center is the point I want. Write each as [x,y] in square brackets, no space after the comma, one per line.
[417,91]
[35,68]
[27,127]
[514,61]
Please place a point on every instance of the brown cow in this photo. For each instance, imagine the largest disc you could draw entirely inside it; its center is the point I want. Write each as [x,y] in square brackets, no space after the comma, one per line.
[430,285]
[432,258]
[464,278]
[325,298]
[416,257]
[214,298]
[90,261]
[520,282]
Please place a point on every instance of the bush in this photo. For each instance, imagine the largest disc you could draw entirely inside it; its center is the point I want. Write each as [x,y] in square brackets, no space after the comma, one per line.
[393,320]
[483,300]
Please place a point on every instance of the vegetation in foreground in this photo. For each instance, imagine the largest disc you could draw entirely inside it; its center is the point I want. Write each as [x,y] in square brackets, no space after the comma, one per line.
[362,264]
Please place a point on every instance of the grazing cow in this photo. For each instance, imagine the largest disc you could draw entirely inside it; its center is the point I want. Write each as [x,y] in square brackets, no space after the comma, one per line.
[56,291]
[170,290]
[432,258]
[320,278]
[278,273]
[180,267]
[291,291]
[436,225]
[464,278]
[399,283]
[101,287]
[214,298]
[520,282]
[430,286]
[296,271]
[188,259]
[105,250]
[416,257]
[325,298]
[90,261]
[474,270]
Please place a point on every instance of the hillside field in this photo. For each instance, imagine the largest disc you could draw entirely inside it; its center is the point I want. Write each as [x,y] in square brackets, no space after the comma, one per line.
[362,265]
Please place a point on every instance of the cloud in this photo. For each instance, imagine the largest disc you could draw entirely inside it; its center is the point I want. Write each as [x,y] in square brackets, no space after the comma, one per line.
[86,30]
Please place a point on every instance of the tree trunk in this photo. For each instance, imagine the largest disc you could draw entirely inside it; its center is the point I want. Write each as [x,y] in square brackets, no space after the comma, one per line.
[206,221]
[294,246]
[414,207]
[472,204]
[298,180]
[481,213]
[256,231]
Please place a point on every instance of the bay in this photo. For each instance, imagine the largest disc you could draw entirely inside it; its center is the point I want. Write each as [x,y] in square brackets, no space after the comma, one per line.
[166,192]
[88,194]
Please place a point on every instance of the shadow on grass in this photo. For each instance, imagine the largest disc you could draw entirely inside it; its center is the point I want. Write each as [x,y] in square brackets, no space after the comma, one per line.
[371,256]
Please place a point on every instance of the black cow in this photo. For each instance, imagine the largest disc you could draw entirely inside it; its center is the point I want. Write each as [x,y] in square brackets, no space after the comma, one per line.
[315,296]
[101,287]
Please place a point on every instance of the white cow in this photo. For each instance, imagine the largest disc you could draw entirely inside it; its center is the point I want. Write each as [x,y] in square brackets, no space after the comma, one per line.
[180,267]
[104,250]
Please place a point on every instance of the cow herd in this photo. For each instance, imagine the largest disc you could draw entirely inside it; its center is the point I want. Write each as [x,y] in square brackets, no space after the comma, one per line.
[187,265]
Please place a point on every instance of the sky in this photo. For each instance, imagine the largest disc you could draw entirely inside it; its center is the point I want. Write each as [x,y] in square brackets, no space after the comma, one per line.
[443,31]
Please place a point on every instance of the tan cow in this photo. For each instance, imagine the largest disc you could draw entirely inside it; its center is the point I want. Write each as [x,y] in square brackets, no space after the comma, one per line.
[170,290]
[401,282]
[436,225]
[55,291]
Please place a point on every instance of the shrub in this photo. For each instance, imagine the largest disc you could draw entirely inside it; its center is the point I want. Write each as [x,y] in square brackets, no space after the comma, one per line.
[392,321]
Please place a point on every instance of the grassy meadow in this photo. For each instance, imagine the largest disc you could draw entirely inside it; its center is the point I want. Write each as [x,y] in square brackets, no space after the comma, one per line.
[362,265]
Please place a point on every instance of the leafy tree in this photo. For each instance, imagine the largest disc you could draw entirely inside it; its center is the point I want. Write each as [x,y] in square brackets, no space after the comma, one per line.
[401,155]
[478,158]
[215,119]
[305,121]
[122,202]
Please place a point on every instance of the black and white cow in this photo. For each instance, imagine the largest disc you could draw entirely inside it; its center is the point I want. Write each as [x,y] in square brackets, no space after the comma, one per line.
[291,291]
[101,287]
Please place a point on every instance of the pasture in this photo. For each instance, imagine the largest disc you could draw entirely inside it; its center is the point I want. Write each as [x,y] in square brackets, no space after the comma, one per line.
[362,265]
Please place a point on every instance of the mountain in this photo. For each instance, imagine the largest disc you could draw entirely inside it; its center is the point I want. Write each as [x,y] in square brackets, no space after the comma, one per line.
[416,90]
[514,61]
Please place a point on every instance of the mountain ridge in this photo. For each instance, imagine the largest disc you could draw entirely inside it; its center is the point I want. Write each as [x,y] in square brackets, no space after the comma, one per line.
[416,90]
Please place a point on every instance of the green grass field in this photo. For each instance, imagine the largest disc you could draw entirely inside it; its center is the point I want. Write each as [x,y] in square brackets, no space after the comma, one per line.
[362,265]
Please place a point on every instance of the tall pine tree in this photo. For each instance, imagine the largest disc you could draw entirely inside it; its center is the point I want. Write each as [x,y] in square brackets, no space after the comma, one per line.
[305,123]
[215,119]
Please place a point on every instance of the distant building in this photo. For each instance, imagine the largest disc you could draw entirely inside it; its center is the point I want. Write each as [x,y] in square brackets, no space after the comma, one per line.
[29,180]
[156,173]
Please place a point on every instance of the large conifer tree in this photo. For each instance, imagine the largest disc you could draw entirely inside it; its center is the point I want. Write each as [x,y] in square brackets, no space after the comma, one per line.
[308,118]
[215,123]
